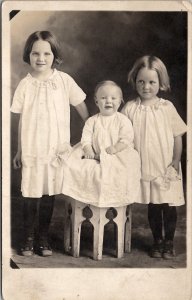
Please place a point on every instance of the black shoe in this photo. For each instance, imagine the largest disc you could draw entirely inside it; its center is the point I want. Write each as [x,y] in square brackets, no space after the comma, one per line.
[44,249]
[28,250]
[157,249]
[168,251]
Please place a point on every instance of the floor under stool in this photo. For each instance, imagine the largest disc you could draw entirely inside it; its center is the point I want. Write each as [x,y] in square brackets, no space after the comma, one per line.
[140,242]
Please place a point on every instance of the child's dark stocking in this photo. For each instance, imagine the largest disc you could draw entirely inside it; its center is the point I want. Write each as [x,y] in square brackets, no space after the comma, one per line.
[155,220]
[29,214]
[30,211]
[170,220]
[156,225]
[45,215]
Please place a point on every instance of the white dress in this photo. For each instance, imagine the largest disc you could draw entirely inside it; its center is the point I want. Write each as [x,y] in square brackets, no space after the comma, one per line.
[155,128]
[45,130]
[115,180]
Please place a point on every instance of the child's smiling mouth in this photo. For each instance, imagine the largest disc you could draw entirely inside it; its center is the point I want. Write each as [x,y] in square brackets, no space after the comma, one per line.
[108,106]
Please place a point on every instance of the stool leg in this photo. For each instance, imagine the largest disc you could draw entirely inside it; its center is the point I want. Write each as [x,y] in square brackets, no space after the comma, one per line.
[77,219]
[128,230]
[120,221]
[98,222]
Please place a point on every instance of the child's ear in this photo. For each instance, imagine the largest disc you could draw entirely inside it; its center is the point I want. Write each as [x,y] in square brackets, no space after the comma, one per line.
[95,100]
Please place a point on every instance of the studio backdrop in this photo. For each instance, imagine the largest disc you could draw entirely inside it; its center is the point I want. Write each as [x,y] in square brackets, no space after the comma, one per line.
[99,46]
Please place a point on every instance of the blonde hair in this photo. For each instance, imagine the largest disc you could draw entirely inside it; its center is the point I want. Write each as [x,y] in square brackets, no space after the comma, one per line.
[152,63]
[107,82]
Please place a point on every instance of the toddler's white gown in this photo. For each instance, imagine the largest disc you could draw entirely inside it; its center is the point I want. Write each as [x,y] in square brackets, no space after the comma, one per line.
[115,179]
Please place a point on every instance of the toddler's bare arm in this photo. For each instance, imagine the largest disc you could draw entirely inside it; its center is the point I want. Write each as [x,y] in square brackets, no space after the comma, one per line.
[116,148]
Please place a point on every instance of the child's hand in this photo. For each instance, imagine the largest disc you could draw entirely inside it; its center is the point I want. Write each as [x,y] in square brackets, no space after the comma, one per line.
[111,150]
[175,165]
[17,160]
[89,155]
[88,152]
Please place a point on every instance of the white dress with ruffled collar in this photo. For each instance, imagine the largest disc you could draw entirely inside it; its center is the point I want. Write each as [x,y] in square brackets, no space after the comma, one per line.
[45,130]
[154,130]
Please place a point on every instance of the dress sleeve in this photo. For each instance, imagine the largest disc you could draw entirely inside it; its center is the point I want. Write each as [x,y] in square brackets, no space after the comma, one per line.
[178,125]
[76,94]
[125,110]
[126,133]
[129,109]
[18,98]
[87,134]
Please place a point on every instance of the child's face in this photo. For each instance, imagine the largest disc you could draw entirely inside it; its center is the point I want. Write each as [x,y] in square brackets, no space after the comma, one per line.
[108,98]
[41,56]
[147,84]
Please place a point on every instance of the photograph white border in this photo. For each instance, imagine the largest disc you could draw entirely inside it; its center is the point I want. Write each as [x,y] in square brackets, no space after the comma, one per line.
[92,284]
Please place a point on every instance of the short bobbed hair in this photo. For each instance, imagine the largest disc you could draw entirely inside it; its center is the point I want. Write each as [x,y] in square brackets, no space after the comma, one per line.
[44,36]
[107,82]
[152,63]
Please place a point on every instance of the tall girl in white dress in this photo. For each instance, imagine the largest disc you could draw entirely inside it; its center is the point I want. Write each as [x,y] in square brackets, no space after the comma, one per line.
[43,101]
[158,130]
[109,174]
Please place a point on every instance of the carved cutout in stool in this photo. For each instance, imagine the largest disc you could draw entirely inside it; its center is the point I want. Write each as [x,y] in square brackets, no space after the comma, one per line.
[87,213]
[110,238]
[111,213]
[86,238]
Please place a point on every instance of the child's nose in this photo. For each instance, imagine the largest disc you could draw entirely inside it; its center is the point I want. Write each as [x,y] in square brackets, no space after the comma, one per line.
[109,99]
[146,85]
[41,57]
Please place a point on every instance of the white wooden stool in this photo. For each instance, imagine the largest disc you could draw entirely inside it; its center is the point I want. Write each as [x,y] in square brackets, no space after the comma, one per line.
[75,214]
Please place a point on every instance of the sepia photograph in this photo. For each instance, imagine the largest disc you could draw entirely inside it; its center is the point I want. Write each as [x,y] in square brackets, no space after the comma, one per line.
[96,149]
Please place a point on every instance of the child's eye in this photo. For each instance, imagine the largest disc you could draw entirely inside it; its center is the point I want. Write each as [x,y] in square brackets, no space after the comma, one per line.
[35,53]
[113,98]
[140,81]
[152,82]
[103,97]
[47,53]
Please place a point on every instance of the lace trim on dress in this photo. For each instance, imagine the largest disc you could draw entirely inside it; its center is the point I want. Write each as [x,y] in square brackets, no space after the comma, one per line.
[149,107]
[51,82]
